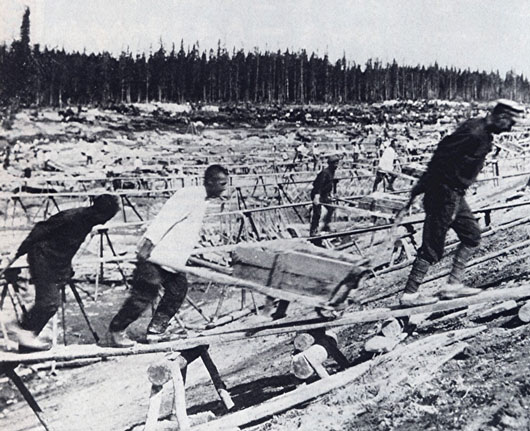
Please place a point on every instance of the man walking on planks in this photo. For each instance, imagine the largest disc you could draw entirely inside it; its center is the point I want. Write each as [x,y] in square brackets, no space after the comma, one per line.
[323,188]
[386,166]
[166,244]
[454,166]
[50,247]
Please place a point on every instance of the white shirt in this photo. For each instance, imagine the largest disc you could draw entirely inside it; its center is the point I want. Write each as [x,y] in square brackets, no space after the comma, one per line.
[302,149]
[386,162]
[138,164]
[175,230]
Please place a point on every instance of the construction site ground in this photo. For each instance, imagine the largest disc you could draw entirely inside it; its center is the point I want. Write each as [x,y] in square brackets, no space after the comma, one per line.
[485,387]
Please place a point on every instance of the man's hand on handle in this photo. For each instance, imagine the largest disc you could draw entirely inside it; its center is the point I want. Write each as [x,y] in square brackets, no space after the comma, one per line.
[6,264]
[144,249]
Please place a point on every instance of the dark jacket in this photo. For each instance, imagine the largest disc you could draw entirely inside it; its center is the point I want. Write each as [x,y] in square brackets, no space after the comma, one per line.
[324,184]
[52,243]
[459,157]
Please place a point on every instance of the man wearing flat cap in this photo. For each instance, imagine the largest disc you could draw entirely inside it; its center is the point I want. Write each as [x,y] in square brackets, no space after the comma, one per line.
[323,188]
[454,166]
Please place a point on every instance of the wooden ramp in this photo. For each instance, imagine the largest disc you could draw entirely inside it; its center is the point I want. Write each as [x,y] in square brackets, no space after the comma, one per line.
[282,326]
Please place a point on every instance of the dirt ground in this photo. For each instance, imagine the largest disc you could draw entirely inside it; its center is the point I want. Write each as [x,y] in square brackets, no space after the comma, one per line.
[487,387]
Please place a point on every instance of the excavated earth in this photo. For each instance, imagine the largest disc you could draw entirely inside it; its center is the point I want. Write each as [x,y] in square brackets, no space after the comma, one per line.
[485,387]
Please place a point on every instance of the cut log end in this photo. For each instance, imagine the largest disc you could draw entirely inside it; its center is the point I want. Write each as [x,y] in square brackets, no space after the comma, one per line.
[303,341]
[305,364]
[159,373]
[524,313]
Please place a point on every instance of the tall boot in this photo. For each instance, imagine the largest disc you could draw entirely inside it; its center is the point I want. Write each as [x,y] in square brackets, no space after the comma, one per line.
[462,256]
[455,288]
[417,273]
[411,297]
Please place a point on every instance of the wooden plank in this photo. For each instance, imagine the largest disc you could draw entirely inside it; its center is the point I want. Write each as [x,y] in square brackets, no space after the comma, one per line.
[257,287]
[251,272]
[179,401]
[300,284]
[365,212]
[299,271]
[17,381]
[218,383]
[316,267]
[293,271]
[253,264]
[155,401]
[283,326]
[483,312]
[306,393]
[254,257]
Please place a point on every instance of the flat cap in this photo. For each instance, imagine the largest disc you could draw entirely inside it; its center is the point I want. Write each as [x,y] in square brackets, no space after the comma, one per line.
[506,106]
[333,158]
[106,204]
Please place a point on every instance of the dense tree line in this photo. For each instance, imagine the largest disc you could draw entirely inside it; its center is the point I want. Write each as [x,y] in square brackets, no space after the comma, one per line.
[32,75]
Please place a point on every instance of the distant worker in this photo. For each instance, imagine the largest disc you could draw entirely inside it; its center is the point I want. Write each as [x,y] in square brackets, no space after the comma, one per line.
[50,247]
[7,154]
[301,152]
[385,167]
[321,194]
[315,154]
[454,166]
[138,164]
[89,154]
[356,150]
[167,243]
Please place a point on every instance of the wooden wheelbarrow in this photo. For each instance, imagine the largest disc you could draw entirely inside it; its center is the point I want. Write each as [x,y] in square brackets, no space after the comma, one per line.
[326,275]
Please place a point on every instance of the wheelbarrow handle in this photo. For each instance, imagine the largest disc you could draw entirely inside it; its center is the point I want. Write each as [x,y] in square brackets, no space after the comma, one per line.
[9,263]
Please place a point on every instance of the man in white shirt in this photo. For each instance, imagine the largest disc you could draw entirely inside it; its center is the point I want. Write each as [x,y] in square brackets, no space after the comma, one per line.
[386,166]
[167,243]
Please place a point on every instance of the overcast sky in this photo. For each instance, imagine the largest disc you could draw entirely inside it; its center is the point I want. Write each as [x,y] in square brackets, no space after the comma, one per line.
[483,34]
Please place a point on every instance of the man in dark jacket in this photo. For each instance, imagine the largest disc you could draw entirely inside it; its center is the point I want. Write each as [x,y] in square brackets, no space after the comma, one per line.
[454,166]
[323,188]
[51,246]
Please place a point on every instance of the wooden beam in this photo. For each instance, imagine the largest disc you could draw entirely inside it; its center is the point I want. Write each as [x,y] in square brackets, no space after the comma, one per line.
[483,312]
[306,393]
[17,381]
[282,326]
[308,362]
[155,400]
[218,383]
[179,400]
[238,282]
[524,313]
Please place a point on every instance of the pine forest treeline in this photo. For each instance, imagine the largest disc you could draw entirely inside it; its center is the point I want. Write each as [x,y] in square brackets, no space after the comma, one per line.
[31,75]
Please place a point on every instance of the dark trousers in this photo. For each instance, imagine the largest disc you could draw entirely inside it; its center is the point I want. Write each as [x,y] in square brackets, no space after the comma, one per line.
[47,301]
[148,278]
[446,208]
[49,281]
[381,176]
[315,218]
